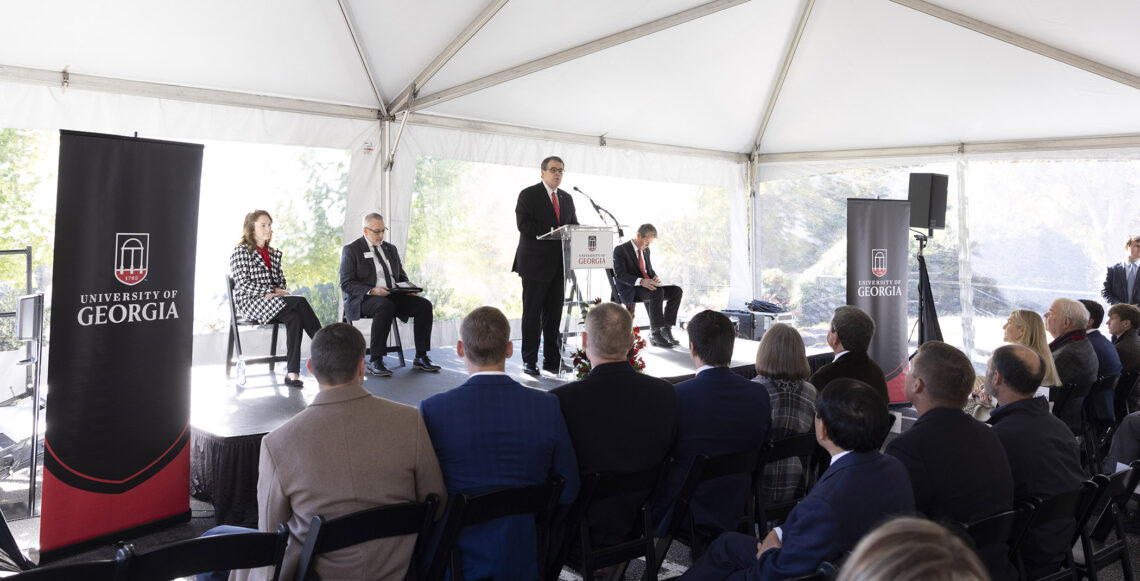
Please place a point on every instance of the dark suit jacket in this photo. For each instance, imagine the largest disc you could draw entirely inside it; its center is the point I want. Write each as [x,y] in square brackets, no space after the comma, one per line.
[1108,362]
[857,493]
[1045,462]
[619,421]
[1076,365]
[627,271]
[358,273]
[1116,286]
[959,472]
[491,432]
[856,365]
[1128,349]
[534,215]
[720,413]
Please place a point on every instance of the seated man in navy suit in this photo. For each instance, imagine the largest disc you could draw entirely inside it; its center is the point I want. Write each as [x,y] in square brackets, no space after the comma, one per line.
[721,413]
[849,336]
[1120,284]
[636,280]
[1098,405]
[860,489]
[491,432]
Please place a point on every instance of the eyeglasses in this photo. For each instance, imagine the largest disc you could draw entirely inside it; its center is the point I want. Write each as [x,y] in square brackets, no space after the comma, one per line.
[376,232]
[556,170]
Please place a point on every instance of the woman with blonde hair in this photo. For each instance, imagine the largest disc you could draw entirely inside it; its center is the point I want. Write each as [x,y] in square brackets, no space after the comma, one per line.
[782,367]
[1023,327]
[259,290]
[912,549]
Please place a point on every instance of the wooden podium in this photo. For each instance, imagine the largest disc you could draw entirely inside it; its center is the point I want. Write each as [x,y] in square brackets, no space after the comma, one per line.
[584,248]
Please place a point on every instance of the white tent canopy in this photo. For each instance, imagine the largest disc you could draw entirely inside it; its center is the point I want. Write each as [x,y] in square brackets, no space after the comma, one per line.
[678,90]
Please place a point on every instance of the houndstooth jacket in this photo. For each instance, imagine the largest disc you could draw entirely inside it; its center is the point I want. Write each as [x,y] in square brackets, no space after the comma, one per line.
[252,281]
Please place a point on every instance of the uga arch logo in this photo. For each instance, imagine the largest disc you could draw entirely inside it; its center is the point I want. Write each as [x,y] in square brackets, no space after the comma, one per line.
[132,257]
[592,243]
[879,261]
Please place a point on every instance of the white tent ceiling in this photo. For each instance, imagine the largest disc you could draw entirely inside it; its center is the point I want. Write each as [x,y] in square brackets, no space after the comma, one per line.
[865,73]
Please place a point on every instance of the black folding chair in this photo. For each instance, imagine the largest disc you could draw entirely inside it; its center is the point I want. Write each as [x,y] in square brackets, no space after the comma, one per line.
[704,469]
[615,298]
[466,510]
[332,534]
[394,335]
[597,488]
[1075,505]
[1096,551]
[1126,398]
[206,554]
[998,530]
[825,572]
[812,458]
[234,355]
[104,570]
[13,559]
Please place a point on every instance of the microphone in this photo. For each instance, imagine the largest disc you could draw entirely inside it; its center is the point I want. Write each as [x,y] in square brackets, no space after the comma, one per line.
[599,210]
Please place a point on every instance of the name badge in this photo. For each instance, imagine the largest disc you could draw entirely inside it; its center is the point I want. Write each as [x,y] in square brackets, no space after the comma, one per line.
[367,255]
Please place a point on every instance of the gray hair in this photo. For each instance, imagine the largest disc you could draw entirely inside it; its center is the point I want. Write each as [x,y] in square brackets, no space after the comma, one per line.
[1074,312]
[369,217]
[647,230]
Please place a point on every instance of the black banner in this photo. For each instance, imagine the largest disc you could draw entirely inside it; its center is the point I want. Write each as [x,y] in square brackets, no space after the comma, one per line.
[877,238]
[122,314]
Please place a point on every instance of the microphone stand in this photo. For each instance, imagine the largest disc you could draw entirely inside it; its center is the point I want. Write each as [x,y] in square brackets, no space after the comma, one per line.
[599,210]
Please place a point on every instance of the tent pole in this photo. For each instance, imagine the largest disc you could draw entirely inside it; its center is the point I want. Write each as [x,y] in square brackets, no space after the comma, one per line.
[386,169]
[363,60]
[788,57]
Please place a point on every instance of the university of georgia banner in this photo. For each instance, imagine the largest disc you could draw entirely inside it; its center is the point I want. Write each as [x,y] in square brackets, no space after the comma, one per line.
[116,452]
[877,238]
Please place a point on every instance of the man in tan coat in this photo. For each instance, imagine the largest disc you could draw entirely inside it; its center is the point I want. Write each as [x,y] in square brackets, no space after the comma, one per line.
[346,452]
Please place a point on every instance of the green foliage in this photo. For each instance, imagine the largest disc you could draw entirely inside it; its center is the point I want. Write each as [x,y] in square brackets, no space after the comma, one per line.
[696,247]
[21,223]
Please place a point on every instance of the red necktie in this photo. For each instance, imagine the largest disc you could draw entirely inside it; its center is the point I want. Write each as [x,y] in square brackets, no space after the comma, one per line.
[641,261]
[554,200]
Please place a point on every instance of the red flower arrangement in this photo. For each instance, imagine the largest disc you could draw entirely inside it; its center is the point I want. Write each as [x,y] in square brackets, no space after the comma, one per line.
[582,363]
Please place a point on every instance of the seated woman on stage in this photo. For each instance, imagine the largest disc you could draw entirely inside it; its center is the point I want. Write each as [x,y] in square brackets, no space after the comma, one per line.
[782,367]
[259,290]
[1024,328]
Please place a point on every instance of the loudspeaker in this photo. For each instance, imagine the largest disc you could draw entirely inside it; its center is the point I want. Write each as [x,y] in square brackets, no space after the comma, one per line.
[928,200]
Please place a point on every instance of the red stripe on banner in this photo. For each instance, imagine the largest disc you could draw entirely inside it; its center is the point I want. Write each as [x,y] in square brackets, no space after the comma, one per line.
[896,386]
[145,468]
[70,515]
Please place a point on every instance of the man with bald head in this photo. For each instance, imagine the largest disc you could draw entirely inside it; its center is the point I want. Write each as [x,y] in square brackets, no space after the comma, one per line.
[1074,357]
[1043,456]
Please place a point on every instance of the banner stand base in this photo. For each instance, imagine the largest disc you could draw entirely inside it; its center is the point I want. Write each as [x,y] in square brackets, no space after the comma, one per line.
[47,557]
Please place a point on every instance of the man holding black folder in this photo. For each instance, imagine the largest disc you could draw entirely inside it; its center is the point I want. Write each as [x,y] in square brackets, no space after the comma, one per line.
[375,285]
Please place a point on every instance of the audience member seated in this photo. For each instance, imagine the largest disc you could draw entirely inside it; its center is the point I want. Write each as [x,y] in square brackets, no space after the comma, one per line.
[492,432]
[1098,406]
[1123,321]
[346,452]
[1125,447]
[1023,328]
[957,465]
[620,421]
[1043,455]
[1074,356]
[860,489]
[849,336]
[721,412]
[782,368]
[912,549]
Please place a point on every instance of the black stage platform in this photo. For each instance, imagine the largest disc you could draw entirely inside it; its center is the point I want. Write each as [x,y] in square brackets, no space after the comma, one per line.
[228,422]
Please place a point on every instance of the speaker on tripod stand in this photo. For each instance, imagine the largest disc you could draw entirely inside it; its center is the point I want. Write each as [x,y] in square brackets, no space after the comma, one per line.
[927,212]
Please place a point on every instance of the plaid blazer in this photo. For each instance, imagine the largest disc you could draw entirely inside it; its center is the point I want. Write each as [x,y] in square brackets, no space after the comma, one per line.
[793,413]
[252,281]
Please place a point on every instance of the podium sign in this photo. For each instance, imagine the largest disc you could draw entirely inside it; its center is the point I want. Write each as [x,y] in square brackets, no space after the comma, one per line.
[591,249]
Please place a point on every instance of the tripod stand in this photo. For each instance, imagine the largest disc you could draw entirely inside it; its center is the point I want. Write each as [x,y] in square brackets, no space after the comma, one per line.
[928,327]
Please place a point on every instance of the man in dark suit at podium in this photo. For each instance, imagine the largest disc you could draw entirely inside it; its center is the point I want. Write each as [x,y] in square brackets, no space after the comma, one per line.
[370,271]
[541,208]
[636,280]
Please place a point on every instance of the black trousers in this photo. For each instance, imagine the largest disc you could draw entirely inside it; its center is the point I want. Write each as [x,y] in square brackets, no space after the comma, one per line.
[384,309]
[542,314]
[297,316]
[662,303]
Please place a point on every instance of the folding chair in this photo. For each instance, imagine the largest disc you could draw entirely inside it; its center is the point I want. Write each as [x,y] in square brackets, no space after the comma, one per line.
[825,572]
[703,470]
[1075,505]
[332,534]
[998,530]
[105,570]
[10,551]
[597,488]
[466,510]
[1095,552]
[1126,398]
[811,457]
[615,298]
[234,345]
[206,554]
[398,348]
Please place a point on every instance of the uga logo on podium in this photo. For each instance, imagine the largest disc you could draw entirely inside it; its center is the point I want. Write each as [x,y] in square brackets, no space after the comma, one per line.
[592,243]
[132,255]
[879,261]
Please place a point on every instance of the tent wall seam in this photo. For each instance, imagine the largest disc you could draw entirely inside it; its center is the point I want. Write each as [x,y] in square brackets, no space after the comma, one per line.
[363,59]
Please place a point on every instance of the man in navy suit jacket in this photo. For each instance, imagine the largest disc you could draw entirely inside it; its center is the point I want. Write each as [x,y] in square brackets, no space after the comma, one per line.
[1120,284]
[370,270]
[1098,405]
[491,432]
[860,489]
[957,465]
[634,278]
[720,413]
[539,264]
